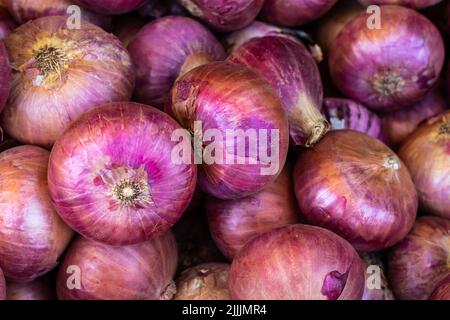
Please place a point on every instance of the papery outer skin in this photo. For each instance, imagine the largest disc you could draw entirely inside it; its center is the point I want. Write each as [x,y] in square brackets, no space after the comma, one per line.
[225,96]
[348,114]
[417,4]
[294,13]
[373,260]
[26,10]
[157,69]
[420,261]
[342,184]
[99,71]
[143,271]
[426,153]
[5,76]
[400,124]
[224,15]
[2,286]
[291,70]
[111,6]
[234,222]
[7,23]
[208,281]
[442,291]
[42,288]
[292,263]
[359,54]
[32,236]
[88,159]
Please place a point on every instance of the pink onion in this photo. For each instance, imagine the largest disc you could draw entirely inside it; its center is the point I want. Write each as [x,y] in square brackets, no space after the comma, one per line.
[111,6]
[369,64]
[348,114]
[291,70]
[164,48]
[224,15]
[208,281]
[420,261]
[5,76]
[442,291]
[297,262]
[42,288]
[95,271]
[32,236]
[356,186]
[426,153]
[59,74]
[2,286]
[226,97]
[234,222]
[7,23]
[377,286]
[295,12]
[417,4]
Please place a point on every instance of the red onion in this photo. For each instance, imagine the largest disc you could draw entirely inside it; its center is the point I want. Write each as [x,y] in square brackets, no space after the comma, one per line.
[420,261]
[377,286]
[356,186]
[32,236]
[59,74]
[426,153]
[5,76]
[163,48]
[208,281]
[7,23]
[95,271]
[243,116]
[112,6]
[297,262]
[224,15]
[291,70]
[295,12]
[442,291]
[2,286]
[390,67]
[417,4]
[348,114]
[234,222]
[42,288]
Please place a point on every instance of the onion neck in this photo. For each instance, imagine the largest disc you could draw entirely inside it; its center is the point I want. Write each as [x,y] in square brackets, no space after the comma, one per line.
[51,61]
[193,61]
[388,83]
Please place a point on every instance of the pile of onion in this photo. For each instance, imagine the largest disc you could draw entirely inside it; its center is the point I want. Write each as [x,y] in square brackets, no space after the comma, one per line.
[164,48]
[112,177]
[223,96]
[377,286]
[42,288]
[356,186]
[418,264]
[208,281]
[367,64]
[2,286]
[95,271]
[111,6]
[417,4]
[59,73]
[297,262]
[442,291]
[32,236]
[426,153]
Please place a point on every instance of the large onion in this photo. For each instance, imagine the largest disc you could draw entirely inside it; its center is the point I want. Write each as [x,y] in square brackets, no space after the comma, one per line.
[442,291]
[377,286]
[357,187]
[32,236]
[95,271]
[417,4]
[112,6]
[225,97]
[59,74]
[297,262]
[292,71]
[42,288]
[369,64]
[2,286]
[420,261]
[426,153]
[163,48]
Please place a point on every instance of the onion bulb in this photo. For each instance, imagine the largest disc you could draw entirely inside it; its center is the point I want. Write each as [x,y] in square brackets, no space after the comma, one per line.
[42,288]
[111,6]
[416,4]
[442,291]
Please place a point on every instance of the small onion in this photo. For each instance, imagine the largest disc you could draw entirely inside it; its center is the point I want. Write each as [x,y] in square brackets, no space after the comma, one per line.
[442,291]
[295,12]
[42,288]
[208,281]
[111,6]
[417,4]
[369,64]
[297,262]
[234,222]
[420,261]
[2,286]
[59,74]
[224,15]
[426,153]
[32,236]
[7,23]
[95,271]
[226,97]
[377,286]
[356,186]
[291,70]
[164,48]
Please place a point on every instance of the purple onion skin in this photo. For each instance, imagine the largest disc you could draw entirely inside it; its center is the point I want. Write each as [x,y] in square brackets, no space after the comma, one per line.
[348,114]
[416,4]
[442,291]
[2,286]
[291,70]
[93,171]
[7,23]
[367,64]
[294,13]
[420,261]
[5,76]
[224,15]
[370,293]
[143,271]
[112,6]
[346,184]
[297,262]
[186,43]
[42,288]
